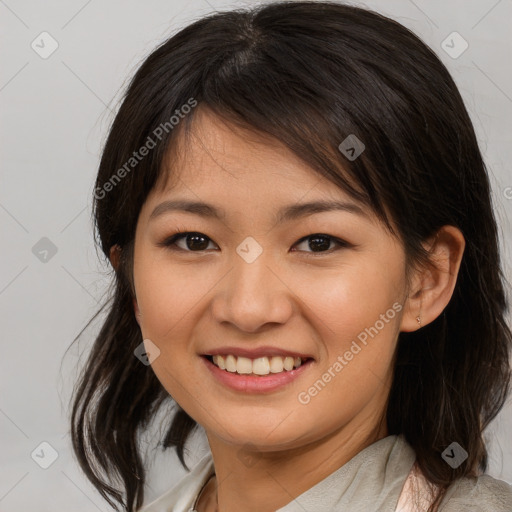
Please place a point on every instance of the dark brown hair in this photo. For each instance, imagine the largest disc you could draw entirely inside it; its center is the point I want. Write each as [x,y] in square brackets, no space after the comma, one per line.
[309,74]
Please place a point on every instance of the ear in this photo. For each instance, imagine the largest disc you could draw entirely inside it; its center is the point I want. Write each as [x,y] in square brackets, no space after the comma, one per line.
[137,311]
[115,255]
[432,289]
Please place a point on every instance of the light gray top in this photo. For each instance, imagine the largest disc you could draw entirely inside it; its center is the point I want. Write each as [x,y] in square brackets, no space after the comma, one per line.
[371,481]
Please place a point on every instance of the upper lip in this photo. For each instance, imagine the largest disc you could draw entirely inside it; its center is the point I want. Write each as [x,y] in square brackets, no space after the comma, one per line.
[253,353]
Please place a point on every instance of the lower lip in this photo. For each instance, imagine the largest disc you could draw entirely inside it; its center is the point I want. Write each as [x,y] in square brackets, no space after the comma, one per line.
[253,383]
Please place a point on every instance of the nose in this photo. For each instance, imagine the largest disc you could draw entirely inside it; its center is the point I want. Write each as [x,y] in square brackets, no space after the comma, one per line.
[252,295]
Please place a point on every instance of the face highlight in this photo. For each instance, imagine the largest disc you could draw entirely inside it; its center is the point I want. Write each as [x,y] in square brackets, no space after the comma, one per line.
[228,258]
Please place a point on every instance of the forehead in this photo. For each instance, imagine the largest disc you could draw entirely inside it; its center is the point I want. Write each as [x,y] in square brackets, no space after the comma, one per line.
[218,158]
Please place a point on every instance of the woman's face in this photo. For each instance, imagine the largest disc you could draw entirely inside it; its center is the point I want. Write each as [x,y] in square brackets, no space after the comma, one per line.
[254,281]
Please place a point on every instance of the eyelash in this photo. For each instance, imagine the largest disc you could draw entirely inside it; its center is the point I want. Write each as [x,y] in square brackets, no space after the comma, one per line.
[170,242]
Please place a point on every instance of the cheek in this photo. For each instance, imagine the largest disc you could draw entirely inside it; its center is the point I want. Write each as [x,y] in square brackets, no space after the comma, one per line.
[167,295]
[167,305]
[348,300]
[358,325]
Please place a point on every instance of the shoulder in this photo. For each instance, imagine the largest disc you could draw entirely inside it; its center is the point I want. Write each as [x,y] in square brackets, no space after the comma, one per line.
[417,492]
[481,494]
[181,497]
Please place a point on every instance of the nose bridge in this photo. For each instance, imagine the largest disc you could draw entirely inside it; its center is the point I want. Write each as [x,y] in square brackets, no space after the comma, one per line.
[252,276]
[251,263]
[252,294]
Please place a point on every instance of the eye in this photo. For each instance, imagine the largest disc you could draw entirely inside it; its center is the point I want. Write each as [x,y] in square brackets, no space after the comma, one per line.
[194,241]
[320,242]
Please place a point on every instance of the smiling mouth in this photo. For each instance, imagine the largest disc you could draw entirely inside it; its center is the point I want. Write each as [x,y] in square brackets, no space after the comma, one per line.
[259,366]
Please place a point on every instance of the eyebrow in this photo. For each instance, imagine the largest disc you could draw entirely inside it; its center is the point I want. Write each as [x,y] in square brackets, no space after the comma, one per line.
[285,214]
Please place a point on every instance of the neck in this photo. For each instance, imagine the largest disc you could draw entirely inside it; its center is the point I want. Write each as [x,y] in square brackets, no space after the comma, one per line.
[242,472]
[207,501]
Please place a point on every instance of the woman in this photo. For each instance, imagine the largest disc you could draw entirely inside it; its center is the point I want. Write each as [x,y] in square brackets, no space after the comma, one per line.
[306,262]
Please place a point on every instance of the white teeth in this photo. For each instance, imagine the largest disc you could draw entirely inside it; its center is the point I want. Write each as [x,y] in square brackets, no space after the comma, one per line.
[261,366]
[288,363]
[230,362]
[258,366]
[276,364]
[243,365]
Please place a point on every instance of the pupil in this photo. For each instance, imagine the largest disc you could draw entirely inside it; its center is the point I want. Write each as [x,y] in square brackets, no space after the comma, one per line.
[201,247]
[314,242]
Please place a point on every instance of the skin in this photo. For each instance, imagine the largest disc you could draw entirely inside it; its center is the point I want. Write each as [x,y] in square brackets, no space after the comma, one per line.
[312,302]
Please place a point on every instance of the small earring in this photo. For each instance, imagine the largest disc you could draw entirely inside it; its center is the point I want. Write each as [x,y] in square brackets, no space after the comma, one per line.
[418,318]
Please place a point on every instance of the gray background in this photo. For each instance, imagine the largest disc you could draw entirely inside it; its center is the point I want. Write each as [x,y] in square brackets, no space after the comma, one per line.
[55,116]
